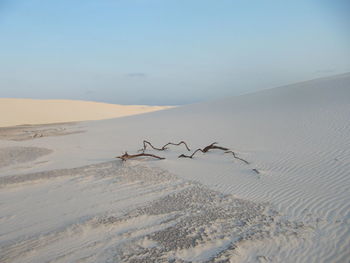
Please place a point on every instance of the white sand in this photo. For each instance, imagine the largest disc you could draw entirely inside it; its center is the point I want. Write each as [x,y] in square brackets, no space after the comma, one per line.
[29,111]
[296,210]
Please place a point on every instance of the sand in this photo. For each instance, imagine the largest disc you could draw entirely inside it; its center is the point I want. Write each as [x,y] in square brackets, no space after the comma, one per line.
[82,205]
[28,132]
[29,111]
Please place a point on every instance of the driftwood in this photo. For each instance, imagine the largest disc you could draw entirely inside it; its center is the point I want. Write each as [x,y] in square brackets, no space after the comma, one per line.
[236,157]
[205,149]
[190,156]
[127,156]
[176,144]
[256,171]
[145,143]
[213,146]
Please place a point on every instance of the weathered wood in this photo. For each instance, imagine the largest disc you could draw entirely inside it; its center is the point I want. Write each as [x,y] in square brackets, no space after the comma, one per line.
[190,156]
[145,143]
[256,171]
[150,144]
[127,156]
[176,144]
[213,146]
[236,157]
[204,150]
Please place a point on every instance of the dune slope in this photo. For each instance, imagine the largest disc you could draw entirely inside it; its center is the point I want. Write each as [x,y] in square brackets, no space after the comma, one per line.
[298,206]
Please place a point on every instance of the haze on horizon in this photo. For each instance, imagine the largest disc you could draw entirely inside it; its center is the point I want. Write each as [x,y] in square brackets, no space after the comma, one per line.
[167,52]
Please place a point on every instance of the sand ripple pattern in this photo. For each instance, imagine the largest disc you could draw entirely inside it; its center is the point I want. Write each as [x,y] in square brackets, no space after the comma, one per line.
[113,212]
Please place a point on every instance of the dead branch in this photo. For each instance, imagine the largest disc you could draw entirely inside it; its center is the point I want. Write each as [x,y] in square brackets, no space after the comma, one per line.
[256,171]
[213,146]
[190,156]
[236,157]
[127,156]
[164,147]
[176,144]
[150,144]
[204,150]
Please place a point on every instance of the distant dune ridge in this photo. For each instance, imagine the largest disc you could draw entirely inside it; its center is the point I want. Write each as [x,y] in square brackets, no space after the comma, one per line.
[29,111]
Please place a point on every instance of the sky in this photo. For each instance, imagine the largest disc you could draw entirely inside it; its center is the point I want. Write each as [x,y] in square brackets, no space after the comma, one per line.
[167,52]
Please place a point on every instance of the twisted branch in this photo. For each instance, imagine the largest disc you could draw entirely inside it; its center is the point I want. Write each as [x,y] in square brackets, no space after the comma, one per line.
[213,146]
[191,156]
[164,147]
[236,157]
[205,149]
[176,144]
[127,156]
[150,144]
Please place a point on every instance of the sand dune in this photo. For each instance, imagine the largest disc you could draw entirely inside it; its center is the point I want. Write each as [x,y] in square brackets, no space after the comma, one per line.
[29,111]
[206,209]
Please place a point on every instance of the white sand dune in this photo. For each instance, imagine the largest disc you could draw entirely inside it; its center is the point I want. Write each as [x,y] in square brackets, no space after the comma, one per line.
[30,111]
[210,208]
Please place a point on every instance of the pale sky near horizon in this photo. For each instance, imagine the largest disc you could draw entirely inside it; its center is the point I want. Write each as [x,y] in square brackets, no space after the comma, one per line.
[167,52]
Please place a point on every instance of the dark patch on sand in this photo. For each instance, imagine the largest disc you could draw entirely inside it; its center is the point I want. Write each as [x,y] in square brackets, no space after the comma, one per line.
[17,155]
[29,132]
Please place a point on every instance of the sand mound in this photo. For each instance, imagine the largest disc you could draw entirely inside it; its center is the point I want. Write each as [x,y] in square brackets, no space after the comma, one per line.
[28,111]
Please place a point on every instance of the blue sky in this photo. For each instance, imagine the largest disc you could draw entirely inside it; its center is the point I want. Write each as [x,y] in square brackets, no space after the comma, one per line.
[167,51]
